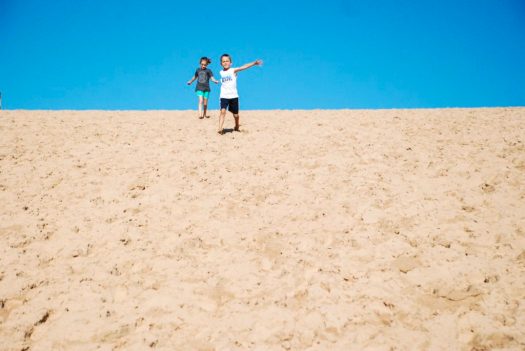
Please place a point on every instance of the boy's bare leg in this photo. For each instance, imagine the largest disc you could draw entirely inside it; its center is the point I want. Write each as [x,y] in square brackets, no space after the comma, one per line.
[205,107]
[236,117]
[200,107]
[221,120]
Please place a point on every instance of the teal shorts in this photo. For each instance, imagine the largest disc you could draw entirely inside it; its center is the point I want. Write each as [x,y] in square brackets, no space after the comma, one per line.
[204,94]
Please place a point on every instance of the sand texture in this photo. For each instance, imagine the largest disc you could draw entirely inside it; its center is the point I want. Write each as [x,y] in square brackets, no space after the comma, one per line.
[308,230]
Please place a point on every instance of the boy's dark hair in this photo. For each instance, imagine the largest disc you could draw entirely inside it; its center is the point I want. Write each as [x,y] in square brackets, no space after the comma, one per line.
[226,55]
[204,58]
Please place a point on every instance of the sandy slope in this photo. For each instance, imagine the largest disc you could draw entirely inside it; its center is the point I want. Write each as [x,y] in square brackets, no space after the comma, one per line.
[319,230]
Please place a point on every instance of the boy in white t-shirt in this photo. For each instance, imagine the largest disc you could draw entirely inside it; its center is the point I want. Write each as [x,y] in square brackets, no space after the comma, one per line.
[229,95]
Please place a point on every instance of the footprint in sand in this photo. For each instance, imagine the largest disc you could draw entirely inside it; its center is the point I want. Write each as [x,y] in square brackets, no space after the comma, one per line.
[487,188]
[493,341]
[406,264]
[468,208]
[136,190]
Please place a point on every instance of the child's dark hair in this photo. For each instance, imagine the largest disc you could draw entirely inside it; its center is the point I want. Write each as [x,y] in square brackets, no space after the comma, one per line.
[207,59]
[226,55]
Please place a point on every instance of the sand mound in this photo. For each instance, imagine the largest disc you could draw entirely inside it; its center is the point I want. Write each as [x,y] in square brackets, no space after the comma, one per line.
[320,230]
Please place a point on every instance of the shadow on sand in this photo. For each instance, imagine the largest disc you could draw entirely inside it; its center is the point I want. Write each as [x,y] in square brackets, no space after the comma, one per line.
[230,130]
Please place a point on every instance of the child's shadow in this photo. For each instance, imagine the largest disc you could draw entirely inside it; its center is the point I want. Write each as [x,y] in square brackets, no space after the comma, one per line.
[227,130]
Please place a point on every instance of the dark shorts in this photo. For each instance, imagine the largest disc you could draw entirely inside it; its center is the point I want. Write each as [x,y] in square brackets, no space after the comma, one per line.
[231,104]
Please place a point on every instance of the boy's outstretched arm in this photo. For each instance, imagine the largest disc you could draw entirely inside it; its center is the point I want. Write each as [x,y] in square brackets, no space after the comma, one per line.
[214,80]
[191,80]
[248,65]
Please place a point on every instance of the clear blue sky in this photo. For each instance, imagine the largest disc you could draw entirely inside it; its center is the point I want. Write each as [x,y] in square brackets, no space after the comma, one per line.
[330,54]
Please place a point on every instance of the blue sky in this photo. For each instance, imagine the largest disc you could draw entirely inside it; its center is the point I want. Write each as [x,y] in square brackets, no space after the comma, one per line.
[331,54]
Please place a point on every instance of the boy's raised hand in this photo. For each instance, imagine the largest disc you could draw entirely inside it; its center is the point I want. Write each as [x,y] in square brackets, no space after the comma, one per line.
[257,62]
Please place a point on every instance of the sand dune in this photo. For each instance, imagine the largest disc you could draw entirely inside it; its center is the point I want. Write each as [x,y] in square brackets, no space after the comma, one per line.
[309,230]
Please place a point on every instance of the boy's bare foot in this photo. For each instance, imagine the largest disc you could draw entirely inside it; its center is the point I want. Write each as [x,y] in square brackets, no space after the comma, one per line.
[236,129]
[207,116]
[201,117]
[221,132]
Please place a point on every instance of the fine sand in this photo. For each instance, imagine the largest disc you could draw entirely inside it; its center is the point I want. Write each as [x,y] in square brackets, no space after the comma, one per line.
[308,230]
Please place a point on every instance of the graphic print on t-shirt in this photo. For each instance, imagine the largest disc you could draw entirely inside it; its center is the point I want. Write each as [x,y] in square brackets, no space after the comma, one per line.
[203,76]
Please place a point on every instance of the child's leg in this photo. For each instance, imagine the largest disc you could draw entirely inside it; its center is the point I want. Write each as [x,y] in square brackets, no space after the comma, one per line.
[236,117]
[205,106]
[200,106]
[235,110]
[221,119]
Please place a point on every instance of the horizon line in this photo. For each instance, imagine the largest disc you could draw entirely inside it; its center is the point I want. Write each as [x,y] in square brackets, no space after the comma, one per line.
[275,109]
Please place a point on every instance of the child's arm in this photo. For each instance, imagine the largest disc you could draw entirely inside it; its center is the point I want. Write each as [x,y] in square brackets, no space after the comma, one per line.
[192,80]
[214,80]
[248,65]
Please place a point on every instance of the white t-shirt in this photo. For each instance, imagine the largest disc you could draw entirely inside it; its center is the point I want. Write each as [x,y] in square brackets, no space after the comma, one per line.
[228,84]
